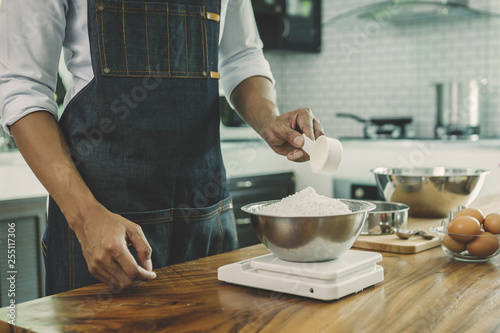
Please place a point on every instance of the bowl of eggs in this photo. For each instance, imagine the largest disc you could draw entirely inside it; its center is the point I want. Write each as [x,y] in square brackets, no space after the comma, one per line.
[469,235]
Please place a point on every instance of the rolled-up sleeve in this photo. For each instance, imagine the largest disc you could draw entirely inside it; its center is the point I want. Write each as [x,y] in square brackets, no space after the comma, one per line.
[240,53]
[31,35]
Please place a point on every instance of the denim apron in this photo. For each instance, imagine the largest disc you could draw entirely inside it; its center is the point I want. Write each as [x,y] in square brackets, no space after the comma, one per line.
[144,134]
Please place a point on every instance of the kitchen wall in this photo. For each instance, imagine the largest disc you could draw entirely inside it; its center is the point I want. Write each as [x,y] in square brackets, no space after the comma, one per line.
[377,69]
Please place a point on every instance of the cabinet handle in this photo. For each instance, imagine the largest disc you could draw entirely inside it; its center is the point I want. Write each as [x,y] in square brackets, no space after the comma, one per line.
[242,221]
[244,184]
[286,27]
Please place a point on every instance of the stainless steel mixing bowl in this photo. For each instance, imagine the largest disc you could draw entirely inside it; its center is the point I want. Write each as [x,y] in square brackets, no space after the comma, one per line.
[385,217]
[430,192]
[311,238]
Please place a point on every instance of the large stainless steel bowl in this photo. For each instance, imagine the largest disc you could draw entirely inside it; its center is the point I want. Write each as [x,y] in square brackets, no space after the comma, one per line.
[430,192]
[311,238]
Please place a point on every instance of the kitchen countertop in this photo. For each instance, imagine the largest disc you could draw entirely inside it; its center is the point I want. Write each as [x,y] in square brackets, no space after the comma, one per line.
[246,154]
[17,181]
[420,292]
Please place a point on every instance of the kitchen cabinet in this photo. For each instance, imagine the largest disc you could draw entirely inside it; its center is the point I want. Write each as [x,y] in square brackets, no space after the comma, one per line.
[28,218]
[289,24]
[23,203]
[246,190]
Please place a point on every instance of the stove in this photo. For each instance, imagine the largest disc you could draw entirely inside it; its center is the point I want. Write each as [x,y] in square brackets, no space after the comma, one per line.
[326,280]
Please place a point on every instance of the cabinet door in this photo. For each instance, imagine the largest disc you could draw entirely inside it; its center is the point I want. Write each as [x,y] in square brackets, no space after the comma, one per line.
[23,224]
[246,190]
[303,25]
[289,24]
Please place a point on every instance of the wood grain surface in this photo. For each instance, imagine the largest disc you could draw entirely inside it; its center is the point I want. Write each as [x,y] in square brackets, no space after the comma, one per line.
[423,292]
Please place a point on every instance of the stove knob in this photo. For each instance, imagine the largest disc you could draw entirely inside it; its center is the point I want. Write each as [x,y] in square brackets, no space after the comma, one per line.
[396,133]
[359,193]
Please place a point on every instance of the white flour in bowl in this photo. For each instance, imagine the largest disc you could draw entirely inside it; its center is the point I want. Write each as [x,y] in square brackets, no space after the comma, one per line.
[306,203]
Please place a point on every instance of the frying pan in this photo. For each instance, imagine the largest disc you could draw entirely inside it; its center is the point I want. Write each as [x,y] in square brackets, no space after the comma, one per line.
[400,122]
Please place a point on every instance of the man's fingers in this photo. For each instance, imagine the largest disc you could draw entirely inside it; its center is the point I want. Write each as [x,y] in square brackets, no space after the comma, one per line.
[297,140]
[118,279]
[318,129]
[141,245]
[305,122]
[297,155]
[130,268]
[284,134]
[300,121]
[103,277]
[106,270]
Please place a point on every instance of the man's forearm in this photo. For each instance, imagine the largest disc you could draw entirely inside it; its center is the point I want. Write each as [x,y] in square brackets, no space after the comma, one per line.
[103,236]
[43,146]
[255,101]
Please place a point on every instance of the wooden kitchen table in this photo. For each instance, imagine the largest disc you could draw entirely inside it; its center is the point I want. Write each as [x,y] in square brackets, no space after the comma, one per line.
[423,292]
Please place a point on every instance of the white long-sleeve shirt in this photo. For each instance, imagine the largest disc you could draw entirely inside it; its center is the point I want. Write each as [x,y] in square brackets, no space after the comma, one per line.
[33,32]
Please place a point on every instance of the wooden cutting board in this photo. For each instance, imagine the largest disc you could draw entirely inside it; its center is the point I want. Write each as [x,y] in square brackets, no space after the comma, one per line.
[391,243]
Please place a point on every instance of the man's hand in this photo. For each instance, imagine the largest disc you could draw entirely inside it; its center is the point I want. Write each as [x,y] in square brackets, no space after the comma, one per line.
[104,238]
[283,133]
[255,102]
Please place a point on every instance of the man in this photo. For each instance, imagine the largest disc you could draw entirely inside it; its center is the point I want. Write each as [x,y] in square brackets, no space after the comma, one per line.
[133,166]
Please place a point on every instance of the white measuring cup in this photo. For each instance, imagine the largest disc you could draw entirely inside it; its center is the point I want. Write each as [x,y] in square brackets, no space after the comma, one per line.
[325,154]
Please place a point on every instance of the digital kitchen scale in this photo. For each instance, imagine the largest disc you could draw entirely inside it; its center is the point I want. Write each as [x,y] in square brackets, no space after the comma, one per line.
[326,280]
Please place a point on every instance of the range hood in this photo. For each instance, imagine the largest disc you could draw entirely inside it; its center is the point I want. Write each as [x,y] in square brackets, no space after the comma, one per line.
[412,11]
[400,12]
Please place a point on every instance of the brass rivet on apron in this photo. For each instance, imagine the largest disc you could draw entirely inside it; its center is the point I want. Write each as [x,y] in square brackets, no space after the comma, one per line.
[214,75]
[212,16]
[106,70]
[100,8]
[204,73]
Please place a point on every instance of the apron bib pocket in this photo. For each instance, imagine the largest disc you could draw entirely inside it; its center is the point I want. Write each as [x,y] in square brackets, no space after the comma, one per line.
[154,39]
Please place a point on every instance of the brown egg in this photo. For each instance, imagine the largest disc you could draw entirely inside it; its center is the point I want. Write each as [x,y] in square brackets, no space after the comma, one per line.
[492,223]
[453,245]
[473,212]
[483,246]
[464,225]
